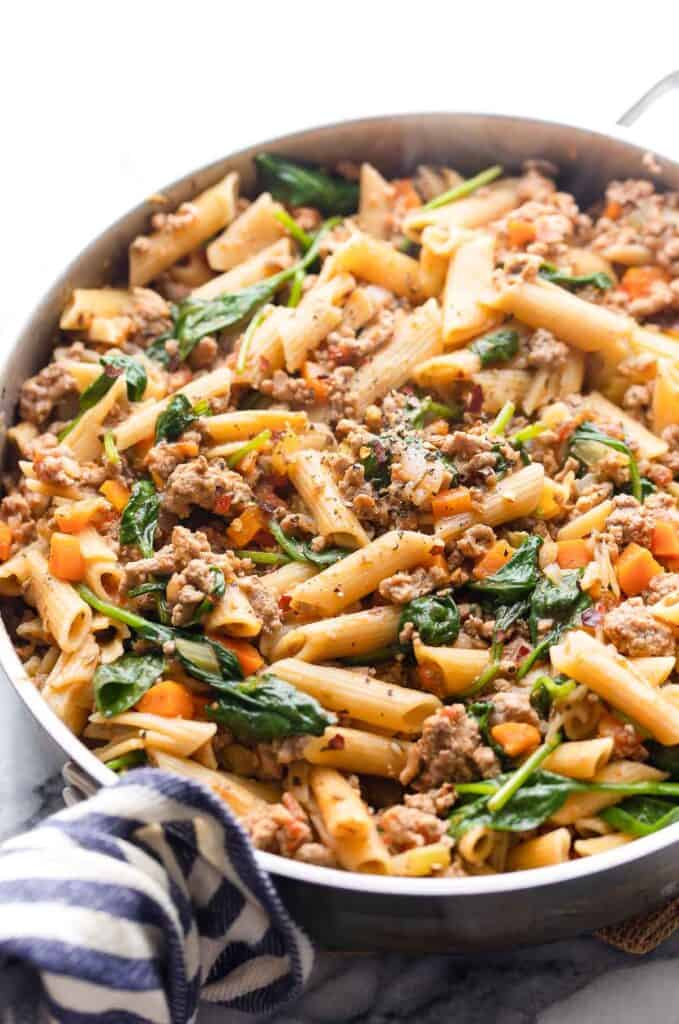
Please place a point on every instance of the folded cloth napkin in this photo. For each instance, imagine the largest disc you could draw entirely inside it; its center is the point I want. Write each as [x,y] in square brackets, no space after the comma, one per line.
[132,905]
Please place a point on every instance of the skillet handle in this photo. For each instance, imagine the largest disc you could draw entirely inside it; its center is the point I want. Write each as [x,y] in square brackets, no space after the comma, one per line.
[654,112]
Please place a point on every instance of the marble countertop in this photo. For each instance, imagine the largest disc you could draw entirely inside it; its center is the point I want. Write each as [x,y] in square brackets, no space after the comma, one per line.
[565,983]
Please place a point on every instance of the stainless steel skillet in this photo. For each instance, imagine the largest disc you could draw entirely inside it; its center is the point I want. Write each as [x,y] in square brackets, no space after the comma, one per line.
[359,912]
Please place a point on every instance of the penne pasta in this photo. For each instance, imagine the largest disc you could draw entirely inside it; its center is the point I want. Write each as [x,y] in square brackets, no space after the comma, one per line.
[469,277]
[319,492]
[341,637]
[252,231]
[353,750]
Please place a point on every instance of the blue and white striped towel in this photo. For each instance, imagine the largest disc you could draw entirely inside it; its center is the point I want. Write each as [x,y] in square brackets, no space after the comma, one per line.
[132,905]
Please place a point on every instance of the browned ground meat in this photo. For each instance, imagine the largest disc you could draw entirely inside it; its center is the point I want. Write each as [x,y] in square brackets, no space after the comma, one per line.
[636,633]
[403,828]
[285,828]
[186,590]
[475,541]
[21,511]
[626,740]
[163,458]
[630,522]
[203,483]
[284,388]
[544,352]
[663,585]
[671,459]
[184,547]
[451,749]
[513,705]
[42,393]
[264,604]
[436,801]
[405,586]
[475,456]
[54,464]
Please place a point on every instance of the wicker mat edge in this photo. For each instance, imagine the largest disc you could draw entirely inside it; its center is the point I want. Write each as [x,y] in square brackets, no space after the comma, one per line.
[642,934]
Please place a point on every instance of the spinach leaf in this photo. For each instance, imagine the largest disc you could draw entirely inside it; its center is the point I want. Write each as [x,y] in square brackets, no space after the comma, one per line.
[115,364]
[541,796]
[150,587]
[647,487]
[133,759]
[546,691]
[641,815]
[298,185]
[549,272]
[517,578]
[177,417]
[119,685]
[301,551]
[507,614]
[435,617]
[140,518]
[489,673]
[554,600]
[209,602]
[465,188]
[265,707]
[155,632]
[207,660]
[583,444]
[496,347]
[423,408]
[664,758]
[194,318]
[376,463]
[571,619]
[481,710]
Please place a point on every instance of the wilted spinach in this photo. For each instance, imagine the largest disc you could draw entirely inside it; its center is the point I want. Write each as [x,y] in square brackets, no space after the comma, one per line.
[585,443]
[546,691]
[121,684]
[178,416]
[496,347]
[516,579]
[265,707]
[421,409]
[140,518]
[115,364]
[641,815]
[541,796]
[554,600]
[435,617]
[299,185]
[548,272]
[301,551]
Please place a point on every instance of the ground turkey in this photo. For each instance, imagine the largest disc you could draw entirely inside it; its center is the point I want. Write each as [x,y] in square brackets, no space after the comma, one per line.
[630,522]
[211,485]
[184,547]
[284,828]
[403,828]
[403,587]
[636,633]
[665,584]
[513,705]
[451,749]
[40,394]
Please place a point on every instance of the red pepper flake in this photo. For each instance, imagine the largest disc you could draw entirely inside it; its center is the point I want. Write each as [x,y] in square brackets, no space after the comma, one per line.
[475,398]
[223,504]
[335,742]
[284,602]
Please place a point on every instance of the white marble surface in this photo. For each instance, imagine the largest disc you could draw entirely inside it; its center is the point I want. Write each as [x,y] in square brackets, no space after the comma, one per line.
[109,104]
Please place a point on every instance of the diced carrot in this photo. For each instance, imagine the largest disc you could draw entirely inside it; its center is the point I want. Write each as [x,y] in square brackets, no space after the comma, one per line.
[520,233]
[436,561]
[637,281]
[5,541]
[549,506]
[115,492]
[450,503]
[516,737]
[612,209]
[249,657]
[405,193]
[573,554]
[142,448]
[439,427]
[169,699]
[312,375]
[665,541]
[636,567]
[430,678]
[245,526]
[494,559]
[223,504]
[66,560]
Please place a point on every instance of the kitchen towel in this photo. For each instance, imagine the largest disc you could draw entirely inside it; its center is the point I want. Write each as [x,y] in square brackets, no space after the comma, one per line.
[132,905]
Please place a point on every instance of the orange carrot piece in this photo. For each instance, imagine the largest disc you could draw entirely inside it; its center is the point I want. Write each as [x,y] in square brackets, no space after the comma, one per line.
[494,559]
[66,561]
[573,554]
[312,375]
[665,541]
[169,699]
[115,492]
[249,657]
[636,568]
[637,281]
[612,209]
[5,541]
[516,737]
[405,194]
[520,233]
[450,503]
[246,526]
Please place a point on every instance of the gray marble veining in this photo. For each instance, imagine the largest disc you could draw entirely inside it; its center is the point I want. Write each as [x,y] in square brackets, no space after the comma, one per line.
[575,982]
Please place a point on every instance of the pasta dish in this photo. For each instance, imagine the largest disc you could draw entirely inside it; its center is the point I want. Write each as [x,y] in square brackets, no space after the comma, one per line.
[358,503]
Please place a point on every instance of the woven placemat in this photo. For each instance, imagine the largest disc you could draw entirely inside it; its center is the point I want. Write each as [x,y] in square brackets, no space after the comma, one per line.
[642,934]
